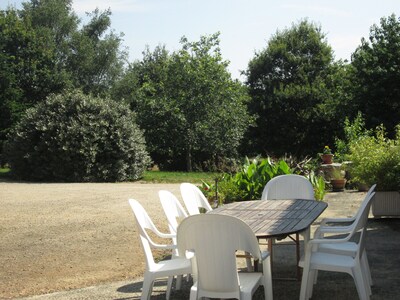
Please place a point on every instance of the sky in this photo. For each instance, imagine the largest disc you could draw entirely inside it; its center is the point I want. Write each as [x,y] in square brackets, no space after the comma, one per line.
[246,26]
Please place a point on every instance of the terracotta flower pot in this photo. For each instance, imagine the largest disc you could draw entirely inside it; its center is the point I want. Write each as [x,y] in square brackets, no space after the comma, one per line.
[327,159]
[338,184]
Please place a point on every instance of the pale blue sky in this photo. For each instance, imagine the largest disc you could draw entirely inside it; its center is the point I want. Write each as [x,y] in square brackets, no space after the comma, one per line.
[245,25]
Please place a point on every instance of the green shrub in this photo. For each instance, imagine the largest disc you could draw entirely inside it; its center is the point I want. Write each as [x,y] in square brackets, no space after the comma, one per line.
[248,183]
[376,159]
[73,137]
[255,174]
[319,186]
[353,131]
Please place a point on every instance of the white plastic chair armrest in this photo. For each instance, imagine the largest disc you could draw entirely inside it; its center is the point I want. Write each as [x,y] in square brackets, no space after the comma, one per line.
[328,241]
[163,235]
[326,221]
[331,229]
[162,246]
[166,235]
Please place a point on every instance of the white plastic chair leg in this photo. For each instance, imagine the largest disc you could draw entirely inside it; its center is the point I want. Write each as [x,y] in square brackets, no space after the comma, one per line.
[360,284]
[193,293]
[147,288]
[268,293]
[304,283]
[169,286]
[367,269]
[178,284]
[310,287]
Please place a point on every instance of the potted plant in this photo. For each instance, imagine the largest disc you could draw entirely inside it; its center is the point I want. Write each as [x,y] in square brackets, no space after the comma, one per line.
[338,180]
[327,156]
[376,159]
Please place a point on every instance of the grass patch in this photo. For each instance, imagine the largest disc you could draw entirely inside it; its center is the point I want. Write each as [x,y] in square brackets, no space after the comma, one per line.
[156,176]
[4,173]
[178,177]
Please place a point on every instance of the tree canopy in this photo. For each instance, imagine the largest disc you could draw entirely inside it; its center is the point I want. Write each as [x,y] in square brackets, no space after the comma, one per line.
[43,50]
[290,85]
[187,103]
[376,75]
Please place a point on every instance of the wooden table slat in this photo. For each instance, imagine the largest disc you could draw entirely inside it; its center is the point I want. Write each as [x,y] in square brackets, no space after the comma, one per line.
[271,218]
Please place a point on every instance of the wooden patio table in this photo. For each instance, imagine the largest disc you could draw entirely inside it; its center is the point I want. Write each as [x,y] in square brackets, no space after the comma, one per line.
[271,219]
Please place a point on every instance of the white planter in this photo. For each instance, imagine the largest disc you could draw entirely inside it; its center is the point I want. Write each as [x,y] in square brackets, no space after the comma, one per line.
[386,204]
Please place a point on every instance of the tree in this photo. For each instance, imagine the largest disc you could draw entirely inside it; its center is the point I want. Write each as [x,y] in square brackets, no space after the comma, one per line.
[42,51]
[376,75]
[290,83]
[91,55]
[95,61]
[27,67]
[187,103]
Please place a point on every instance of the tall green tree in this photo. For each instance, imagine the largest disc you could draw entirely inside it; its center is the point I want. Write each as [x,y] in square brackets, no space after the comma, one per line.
[291,84]
[90,55]
[43,50]
[189,106]
[28,69]
[376,75]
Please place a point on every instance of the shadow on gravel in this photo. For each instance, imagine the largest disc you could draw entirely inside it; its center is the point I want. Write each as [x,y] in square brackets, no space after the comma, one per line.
[383,244]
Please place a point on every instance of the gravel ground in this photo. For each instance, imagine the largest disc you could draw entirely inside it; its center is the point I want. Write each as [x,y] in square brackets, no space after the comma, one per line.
[62,236]
[81,238]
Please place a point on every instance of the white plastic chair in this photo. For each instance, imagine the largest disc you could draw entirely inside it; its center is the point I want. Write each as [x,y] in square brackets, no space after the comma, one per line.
[174,212]
[335,222]
[342,226]
[290,186]
[194,199]
[214,239]
[317,260]
[167,268]
[173,209]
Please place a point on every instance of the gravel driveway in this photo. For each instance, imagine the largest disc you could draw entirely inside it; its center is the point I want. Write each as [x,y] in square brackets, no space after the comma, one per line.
[62,236]
[56,237]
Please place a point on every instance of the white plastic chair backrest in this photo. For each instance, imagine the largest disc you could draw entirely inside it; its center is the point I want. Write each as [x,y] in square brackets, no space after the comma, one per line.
[172,208]
[366,199]
[194,198]
[362,219]
[360,223]
[214,239]
[144,222]
[289,186]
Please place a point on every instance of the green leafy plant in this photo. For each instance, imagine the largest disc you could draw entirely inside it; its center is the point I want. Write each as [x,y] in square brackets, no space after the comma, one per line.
[318,183]
[256,173]
[376,159]
[73,137]
[353,131]
[327,150]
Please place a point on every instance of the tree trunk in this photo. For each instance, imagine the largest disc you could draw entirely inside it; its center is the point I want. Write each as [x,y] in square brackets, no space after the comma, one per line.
[189,159]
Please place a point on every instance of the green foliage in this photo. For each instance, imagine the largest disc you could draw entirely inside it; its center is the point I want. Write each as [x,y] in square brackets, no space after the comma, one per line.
[43,50]
[293,88]
[353,131]
[27,66]
[73,137]
[254,175]
[187,103]
[224,190]
[98,61]
[376,159]
[376,75]
[318,183]
[249,182]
